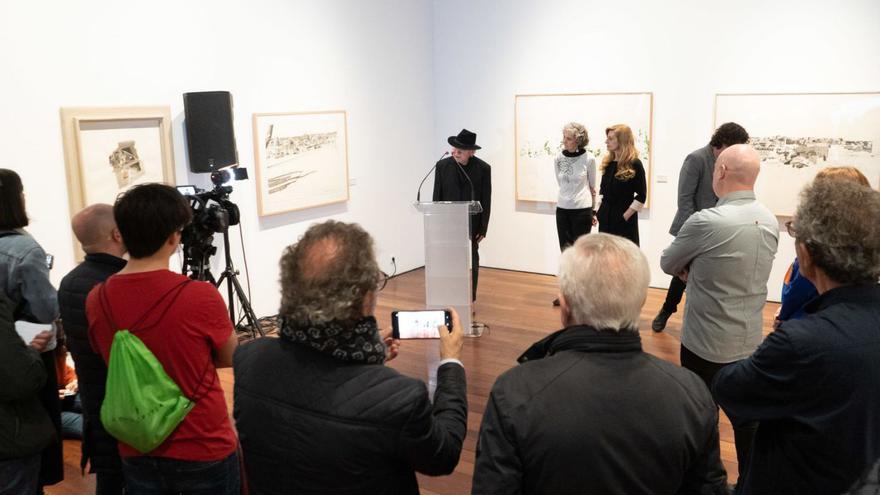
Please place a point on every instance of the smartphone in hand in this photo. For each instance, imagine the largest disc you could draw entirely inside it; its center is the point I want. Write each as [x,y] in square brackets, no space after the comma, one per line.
[419,324]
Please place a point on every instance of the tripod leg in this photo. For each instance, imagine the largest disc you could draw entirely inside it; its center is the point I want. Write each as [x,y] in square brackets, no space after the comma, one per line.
[246,307]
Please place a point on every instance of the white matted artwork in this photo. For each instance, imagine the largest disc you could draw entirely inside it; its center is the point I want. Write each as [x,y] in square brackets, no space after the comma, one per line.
[109,150]
[799,134]
[301,160]
[539,122]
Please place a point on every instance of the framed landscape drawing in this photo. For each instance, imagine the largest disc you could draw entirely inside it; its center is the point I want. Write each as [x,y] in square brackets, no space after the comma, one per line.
[109,150]
[539,122]
[301,160]
[799,134]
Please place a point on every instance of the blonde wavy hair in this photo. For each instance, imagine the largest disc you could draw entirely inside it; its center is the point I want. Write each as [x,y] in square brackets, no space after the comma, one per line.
[626,151]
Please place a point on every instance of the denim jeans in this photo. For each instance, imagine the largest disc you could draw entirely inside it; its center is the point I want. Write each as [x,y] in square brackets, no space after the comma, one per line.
[18,476]
[161,475]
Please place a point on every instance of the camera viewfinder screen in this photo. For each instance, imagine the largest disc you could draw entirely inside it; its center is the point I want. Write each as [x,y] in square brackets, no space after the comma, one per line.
[420,324]
[187,190]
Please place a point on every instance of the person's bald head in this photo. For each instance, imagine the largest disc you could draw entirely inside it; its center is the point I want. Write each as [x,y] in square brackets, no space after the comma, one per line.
[736,169]
[95,228]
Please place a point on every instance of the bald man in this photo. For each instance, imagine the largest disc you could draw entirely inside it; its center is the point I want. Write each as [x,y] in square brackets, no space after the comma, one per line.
[725,254]
[96,231]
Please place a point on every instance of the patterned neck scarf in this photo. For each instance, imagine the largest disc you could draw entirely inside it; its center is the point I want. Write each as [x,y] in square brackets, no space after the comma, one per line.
[360,344]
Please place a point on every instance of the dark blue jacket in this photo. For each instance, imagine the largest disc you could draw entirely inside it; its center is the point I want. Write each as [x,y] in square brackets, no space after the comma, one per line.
[98,446]
[814,385]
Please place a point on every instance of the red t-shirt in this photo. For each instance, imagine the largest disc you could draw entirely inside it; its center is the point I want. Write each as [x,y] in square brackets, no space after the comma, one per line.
[182,339]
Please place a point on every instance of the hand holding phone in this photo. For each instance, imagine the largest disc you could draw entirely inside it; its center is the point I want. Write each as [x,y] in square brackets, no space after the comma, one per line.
[451,343]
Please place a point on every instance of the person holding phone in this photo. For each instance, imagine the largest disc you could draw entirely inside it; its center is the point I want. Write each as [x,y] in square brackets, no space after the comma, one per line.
[316,409]
[623,188]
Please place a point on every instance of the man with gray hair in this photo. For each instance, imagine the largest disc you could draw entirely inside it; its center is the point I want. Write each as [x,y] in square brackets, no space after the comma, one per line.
[588,411]
[813,383]
[725,254]
[316,410]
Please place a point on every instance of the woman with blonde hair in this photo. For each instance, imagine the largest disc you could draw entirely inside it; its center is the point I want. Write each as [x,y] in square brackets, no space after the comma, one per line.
[576,176]
[797,291]
[623,189]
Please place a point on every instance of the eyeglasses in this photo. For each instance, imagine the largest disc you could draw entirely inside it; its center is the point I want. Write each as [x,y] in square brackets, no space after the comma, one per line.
[382,282]
[789,226]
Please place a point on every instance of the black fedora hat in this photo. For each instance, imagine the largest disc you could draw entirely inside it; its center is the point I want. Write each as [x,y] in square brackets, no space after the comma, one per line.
[466,140]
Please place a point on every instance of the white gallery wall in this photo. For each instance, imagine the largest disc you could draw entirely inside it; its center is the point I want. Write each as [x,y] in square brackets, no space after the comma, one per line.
[485,52]
[372,59]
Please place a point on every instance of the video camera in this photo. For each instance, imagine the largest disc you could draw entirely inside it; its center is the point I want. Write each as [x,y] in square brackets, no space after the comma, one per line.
[213,213]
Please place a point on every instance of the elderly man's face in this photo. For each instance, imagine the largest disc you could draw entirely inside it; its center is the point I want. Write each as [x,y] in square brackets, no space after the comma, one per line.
[462,156]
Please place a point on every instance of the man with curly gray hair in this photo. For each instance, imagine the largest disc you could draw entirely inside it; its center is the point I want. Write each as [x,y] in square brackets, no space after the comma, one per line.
[813,383]
[316,410]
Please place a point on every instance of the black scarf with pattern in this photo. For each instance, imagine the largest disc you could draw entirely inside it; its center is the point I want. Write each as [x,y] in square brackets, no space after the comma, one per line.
[360,344]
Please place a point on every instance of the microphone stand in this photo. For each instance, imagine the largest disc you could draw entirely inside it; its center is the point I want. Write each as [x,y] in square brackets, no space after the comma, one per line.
[419,192]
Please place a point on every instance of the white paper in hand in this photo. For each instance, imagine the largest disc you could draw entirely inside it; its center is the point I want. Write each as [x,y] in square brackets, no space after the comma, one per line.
[27,331]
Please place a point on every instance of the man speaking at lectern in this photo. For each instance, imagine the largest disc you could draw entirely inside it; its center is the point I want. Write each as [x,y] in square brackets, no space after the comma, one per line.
[464,177]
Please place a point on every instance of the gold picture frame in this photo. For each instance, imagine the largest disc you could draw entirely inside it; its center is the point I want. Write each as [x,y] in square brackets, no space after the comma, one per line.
[107,150]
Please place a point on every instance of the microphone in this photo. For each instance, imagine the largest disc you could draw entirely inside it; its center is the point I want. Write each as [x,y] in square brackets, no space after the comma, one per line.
[419,192]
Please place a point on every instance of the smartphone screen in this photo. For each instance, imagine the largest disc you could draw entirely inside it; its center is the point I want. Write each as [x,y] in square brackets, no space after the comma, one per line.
[419,324]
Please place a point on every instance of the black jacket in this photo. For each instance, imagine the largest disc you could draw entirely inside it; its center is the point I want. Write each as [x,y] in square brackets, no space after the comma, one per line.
[450,184]
[814,385]
[25,428]
[97,445]
[589,412]
[617,196]
[309,423]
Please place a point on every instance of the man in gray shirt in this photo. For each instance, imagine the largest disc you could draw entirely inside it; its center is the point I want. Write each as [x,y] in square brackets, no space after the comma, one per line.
[725,253]
[694,194]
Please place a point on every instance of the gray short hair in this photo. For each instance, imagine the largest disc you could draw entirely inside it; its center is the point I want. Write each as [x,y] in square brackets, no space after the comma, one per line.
[604,278]
[579,132]
[326,275]
[838,223]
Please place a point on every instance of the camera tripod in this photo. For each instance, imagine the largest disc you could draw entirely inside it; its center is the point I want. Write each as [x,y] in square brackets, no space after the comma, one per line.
[233,287]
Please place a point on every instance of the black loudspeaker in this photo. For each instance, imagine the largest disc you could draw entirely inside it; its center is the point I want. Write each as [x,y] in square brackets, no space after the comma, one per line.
[210,138]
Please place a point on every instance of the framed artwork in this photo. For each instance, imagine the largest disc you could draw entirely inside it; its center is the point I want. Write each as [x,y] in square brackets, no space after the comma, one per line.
[109,150]
[301,160]
[799,134]
[539,122]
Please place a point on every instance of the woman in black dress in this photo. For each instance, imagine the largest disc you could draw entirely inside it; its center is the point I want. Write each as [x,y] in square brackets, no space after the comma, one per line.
[623,188]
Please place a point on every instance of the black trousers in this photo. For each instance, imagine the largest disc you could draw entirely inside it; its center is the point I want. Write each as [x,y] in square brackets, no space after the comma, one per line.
[673,294]
[743,435]
[571,224]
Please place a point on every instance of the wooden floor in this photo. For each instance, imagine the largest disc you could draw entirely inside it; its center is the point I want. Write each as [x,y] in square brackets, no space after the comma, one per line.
[517,308]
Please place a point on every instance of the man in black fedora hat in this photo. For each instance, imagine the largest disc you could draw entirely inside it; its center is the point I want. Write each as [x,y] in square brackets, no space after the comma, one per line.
[464,177]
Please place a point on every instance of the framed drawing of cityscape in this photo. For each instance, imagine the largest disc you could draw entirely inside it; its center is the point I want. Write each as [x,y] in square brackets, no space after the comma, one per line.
[799,134]
[301,160]
[539,119]
[109,150]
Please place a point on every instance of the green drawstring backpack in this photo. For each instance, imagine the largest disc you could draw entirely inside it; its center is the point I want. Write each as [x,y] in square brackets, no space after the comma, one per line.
[142,405]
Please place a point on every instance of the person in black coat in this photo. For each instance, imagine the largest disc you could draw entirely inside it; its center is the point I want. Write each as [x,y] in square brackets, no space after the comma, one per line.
[588,411]
[623,187]
[96,230]
[464,177]
[316,409]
